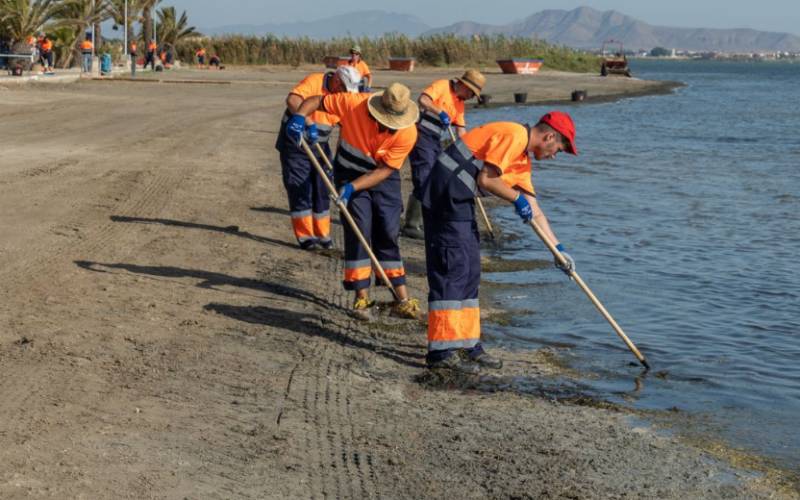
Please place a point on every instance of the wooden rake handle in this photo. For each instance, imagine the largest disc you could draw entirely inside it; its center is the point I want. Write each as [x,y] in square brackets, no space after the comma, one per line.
[477,199]
[346,213]
[574,275]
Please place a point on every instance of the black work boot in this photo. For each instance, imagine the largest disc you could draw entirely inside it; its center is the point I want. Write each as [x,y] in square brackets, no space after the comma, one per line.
[484,359]
[413,226]
[456,362]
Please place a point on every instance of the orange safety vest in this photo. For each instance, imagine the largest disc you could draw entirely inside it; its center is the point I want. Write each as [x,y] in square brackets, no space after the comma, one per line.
[133,48]
[365,145]
[360,66]
[444,97]
[47,45]
[152,47]
[86,46]
[314,85]
[201,52]
[504,145]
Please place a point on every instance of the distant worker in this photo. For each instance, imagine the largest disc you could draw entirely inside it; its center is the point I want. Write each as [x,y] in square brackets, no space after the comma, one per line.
[87,50]
[46,53]
[309,203]
[442,107]
[215,61]
[493,158]
[134,54]
[362,68]
[377,133]
[150,55]
[201,56]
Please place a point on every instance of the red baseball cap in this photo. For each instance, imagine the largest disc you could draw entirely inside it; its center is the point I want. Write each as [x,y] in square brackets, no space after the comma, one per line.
[563,124]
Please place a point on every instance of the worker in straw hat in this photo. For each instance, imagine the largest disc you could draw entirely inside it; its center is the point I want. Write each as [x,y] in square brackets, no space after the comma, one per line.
[361,66]
[441,107]
[377,133]
[494,159]
[308,197]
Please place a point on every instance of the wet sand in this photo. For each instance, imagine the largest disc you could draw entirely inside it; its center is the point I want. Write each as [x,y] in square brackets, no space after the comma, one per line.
[162,337]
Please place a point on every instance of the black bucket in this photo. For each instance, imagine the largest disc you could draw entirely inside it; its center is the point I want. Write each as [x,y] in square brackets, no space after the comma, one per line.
[579,95]
[520,97]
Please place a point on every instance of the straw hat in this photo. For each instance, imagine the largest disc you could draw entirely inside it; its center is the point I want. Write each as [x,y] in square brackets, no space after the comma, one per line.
[393,108]
[356,49]
[473,79]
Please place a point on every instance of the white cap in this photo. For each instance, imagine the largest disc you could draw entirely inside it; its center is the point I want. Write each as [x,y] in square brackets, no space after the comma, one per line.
[350,77]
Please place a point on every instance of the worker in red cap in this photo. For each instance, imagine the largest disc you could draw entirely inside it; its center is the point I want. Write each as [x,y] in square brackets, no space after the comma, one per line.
[494,159]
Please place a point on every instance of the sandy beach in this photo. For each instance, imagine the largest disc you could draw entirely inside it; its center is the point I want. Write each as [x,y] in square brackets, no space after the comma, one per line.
[162,336]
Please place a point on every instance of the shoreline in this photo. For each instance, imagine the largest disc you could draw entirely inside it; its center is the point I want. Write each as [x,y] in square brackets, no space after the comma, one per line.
[164,334]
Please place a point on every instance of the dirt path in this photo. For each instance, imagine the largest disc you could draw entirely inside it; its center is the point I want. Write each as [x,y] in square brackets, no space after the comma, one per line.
[161,337]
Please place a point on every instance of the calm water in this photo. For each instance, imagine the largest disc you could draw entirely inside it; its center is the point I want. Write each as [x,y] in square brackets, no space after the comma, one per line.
[683,214]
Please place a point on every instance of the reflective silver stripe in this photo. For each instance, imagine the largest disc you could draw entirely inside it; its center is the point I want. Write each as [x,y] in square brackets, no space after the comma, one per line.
[355,264]
[456,344]
[463,176]
[301,213]
[444,305]
[322,215]
[352,166]
[391,264]
[453,305]
[471,303]
[468,181]
[430,126]
[356,152]
[462,148]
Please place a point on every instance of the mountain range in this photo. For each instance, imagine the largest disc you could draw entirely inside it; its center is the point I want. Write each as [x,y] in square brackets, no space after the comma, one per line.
[582,28]
[587,28]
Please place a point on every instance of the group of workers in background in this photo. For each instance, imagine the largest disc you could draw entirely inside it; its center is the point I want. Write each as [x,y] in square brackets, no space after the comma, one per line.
[378,131]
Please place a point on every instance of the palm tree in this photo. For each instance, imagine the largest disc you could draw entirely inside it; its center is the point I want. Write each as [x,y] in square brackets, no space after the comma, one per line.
[172,29]
[20,19]
[80,15]
[147,19]
[117,10]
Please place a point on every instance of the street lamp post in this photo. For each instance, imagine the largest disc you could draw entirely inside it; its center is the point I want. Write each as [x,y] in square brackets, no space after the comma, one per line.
[125,37]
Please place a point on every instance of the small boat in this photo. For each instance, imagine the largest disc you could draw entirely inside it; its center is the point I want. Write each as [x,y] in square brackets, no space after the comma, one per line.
[402,63]
[520,66]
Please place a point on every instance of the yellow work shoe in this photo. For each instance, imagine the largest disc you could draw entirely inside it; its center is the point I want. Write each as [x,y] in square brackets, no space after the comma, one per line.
[361,307]
[407,309]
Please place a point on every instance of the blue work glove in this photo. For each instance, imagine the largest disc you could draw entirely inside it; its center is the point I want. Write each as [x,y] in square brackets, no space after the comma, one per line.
[523,208]
[569,266]
[295,128]
[345,193]
[445,119]
[312,134]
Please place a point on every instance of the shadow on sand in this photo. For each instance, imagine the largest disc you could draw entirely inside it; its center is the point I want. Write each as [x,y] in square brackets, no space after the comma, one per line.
[234,230]
[300,322]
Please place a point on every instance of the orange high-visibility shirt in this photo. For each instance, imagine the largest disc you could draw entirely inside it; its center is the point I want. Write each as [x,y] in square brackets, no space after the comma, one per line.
[314,85]
[47,45]
[361,67]
[362,132]
[201,52]
[504,145]
[87,46]
[152,47]
[444,97]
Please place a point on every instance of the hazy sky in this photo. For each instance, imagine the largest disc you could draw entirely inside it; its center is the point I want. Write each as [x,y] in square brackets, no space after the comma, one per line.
[771,15]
